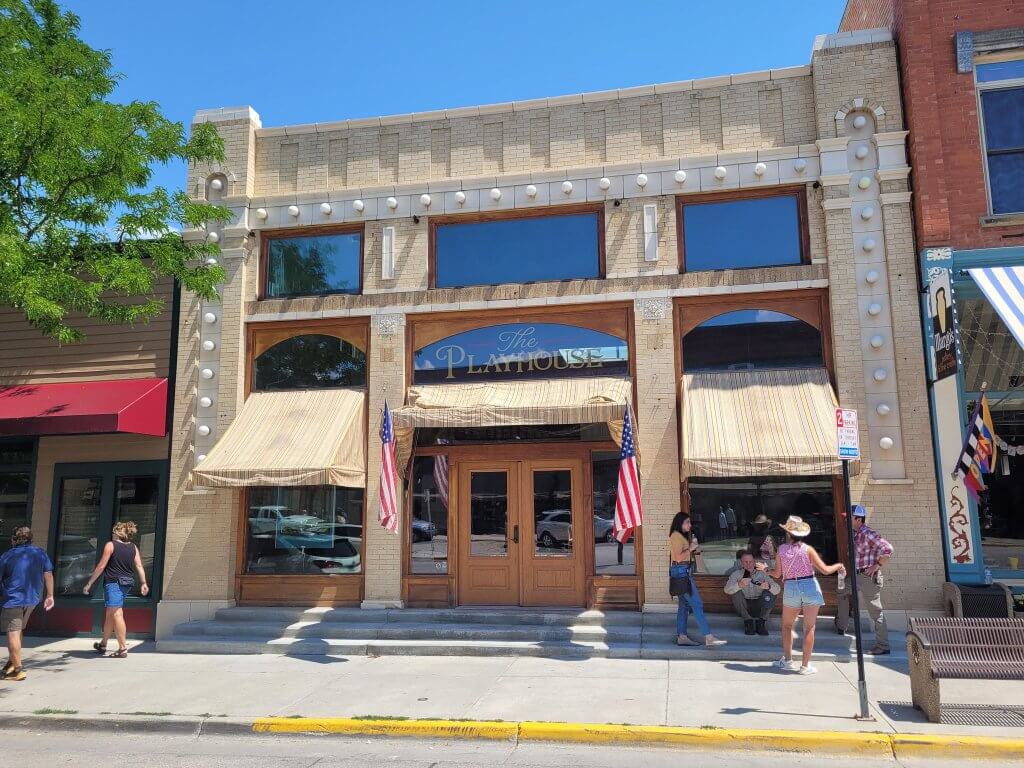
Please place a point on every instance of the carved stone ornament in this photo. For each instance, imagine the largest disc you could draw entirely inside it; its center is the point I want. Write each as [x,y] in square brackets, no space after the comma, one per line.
[653,309]
[388,325]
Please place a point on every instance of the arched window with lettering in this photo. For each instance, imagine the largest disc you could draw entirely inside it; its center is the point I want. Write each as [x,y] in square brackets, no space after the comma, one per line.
[512,351]
[310,361]
[750,339]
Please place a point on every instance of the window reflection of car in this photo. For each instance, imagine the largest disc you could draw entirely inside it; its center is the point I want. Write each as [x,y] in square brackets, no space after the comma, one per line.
[74,563]
[554,529]
[343,557]
[603,529]
[275,519]
[423,530]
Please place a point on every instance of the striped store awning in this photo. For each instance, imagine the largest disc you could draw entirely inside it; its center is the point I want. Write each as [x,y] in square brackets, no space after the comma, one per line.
[308,437]
[1004,288]
[762,422]
[588,400]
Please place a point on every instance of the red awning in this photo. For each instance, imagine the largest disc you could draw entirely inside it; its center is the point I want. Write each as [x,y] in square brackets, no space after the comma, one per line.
[138,406]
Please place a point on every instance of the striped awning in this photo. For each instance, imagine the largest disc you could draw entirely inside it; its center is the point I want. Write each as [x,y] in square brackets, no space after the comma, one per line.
[308,437]
[1004,288]
[588,400]
[763,422]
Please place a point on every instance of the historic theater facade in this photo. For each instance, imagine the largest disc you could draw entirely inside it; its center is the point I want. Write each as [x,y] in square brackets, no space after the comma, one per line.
[725,259]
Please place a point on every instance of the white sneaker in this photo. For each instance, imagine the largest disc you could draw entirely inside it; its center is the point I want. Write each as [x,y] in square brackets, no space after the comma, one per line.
[808,670]
[786,665]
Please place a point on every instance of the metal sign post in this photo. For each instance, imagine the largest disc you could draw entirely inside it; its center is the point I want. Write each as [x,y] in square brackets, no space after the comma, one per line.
[849,449]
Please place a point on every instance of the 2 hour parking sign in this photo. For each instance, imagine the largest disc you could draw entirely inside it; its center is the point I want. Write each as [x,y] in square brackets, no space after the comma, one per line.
[848,438]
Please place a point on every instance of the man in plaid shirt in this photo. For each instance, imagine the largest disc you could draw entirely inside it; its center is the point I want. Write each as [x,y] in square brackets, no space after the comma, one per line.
[872,553]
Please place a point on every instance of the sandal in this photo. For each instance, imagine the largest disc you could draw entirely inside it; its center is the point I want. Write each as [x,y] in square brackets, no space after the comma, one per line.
[99,647]
[120,653]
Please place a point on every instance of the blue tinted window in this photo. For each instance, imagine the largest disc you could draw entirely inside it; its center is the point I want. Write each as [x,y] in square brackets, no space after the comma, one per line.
[312,361]
[1000,70]
[1003,112]
[318,264]
[752,338]
[517,250]
[521,351]
[737,234]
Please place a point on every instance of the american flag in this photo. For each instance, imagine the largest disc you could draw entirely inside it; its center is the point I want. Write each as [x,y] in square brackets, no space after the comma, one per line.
[978,455]
[388,515]
[441,477]
[629,513]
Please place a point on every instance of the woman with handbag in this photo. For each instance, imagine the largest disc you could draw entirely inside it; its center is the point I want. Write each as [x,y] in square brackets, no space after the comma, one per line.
[120,559]
[796,565]
[684,555]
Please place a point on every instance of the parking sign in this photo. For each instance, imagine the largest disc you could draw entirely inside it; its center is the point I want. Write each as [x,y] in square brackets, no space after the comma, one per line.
[847,436]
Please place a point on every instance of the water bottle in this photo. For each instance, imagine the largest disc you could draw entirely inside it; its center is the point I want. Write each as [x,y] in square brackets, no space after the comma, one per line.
[988,577]
[842,581]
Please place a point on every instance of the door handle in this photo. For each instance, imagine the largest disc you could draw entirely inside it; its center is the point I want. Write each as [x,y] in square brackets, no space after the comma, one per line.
[515,534]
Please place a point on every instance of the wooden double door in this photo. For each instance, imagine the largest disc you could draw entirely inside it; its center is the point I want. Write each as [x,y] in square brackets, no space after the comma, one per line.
[523,532]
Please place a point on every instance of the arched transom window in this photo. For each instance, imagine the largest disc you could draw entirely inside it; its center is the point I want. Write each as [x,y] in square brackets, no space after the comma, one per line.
[310,361]
[752,338]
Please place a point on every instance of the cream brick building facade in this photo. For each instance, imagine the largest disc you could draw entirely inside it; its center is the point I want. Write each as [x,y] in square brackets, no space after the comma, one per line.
[625,149]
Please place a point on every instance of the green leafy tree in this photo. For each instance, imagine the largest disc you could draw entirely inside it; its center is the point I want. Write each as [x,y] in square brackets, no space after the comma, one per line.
[81,230]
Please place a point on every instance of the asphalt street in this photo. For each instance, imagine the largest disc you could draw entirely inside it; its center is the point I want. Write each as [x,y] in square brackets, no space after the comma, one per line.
[54,749]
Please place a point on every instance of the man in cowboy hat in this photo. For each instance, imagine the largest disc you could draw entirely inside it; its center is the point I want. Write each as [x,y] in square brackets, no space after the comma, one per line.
[872,553]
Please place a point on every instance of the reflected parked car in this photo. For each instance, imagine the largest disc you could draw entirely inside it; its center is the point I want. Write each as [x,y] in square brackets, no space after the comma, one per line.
[423,530]
[554,529]
[275,519]
[74,564]
[287,558]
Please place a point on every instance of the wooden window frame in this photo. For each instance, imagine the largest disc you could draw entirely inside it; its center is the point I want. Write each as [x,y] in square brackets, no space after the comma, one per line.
[267,235]
[529,213]
[797,191]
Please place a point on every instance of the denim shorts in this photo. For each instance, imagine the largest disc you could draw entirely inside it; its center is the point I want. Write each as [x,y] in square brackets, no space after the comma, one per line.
[113,595]
[800,592]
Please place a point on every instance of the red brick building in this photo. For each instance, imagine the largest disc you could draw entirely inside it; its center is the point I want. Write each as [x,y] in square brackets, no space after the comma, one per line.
[962,79]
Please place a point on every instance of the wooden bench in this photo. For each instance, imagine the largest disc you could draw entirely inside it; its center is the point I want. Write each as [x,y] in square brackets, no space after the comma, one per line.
[961,649]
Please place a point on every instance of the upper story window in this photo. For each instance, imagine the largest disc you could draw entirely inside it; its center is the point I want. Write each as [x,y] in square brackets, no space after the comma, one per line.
[1001,94]
[311,361]
[743,230]
[518,248]
[314,263]
[752,338]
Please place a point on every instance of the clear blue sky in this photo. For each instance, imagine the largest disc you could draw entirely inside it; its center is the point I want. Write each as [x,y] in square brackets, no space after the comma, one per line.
[296,61]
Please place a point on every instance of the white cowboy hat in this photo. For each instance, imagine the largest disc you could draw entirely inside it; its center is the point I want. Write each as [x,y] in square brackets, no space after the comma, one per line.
[795,526]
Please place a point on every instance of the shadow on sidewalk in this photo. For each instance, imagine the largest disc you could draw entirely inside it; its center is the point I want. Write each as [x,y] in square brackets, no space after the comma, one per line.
[994,716]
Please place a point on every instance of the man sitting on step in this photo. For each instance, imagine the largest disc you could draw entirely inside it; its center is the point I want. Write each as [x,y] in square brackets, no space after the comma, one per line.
[753,594]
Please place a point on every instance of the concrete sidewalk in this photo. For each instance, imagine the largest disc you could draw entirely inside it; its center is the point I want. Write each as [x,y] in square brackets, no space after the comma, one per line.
[67,676]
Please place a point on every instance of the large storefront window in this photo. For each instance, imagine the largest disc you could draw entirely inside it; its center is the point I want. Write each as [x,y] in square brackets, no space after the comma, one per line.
[16,460]
[313,265]
[304,530]
[610,557]
[724,512]
[429,518]
[310,361]
[1000,507]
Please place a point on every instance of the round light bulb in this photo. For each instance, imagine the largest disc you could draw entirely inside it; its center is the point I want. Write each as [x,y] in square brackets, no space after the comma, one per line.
[860,121]
[885,443]
[206,373]
[865,182]
[872,276]
[566,187]
[425,201]
[200,457]
[460,197]
[800,165]
[721,172]
[604,183]
[209,345]
[217,185]
[293,211]
[205,402]
[861,152]
[203,430]
[875,309]
[641,180]
[877,342]
[358,206]
[882,409]
[495,194]
[867,212]
[261,214]
[212,237]
[760,169]
[531,190]
[868,244]
[209,317]
[325,209]
[880,374]
[392,203]
[680,177]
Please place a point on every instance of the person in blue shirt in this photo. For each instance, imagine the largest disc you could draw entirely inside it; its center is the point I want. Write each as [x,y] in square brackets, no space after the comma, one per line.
[24,571]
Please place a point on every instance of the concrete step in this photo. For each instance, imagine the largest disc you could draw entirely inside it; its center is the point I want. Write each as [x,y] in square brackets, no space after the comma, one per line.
[504,616]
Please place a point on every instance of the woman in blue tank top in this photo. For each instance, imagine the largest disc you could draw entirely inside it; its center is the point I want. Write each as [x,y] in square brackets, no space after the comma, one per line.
[118,565]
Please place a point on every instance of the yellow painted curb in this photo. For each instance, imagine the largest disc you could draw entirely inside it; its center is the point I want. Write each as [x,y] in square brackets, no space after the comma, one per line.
[979,747]
[439,729]
[720,738]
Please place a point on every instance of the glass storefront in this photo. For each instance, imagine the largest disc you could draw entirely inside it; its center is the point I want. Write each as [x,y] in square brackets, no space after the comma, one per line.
[610,557]
[16,460]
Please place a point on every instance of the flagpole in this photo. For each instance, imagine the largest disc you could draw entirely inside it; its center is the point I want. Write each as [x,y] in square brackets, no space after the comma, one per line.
[851,552]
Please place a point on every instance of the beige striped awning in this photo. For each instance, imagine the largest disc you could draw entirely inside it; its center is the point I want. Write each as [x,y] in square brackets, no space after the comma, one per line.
[308,437]
[587,400]
[750,423]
